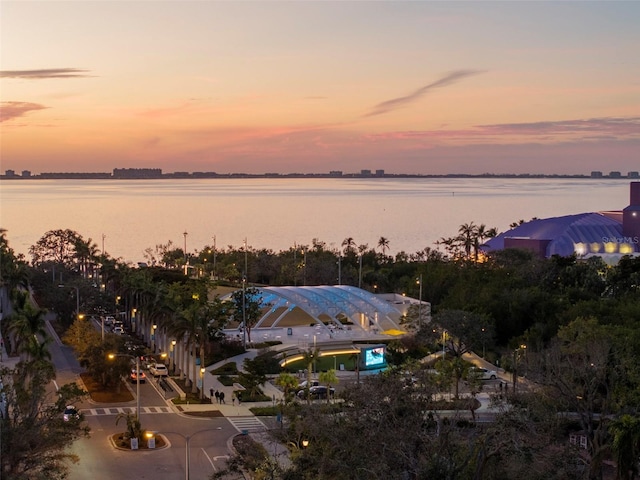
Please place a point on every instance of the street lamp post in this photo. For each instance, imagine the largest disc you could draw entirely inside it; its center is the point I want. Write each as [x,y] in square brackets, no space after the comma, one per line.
[444,339]
[171,362]
[244,299]
[516,357]
[187,439]
[420,303]
[304,266]
[186,269]
[483,349]
[214,257]
[114,355]
[153,337]
[202,370]
[244,312]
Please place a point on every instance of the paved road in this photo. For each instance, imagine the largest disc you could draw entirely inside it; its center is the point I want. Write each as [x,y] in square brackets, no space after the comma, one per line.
[101,460]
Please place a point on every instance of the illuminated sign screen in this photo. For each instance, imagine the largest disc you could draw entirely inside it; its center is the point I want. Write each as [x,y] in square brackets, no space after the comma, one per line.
[374,357]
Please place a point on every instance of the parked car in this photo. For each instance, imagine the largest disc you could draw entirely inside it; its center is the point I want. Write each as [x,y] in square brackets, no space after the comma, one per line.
[147,361]
[70,413]
[159,370]
[118,330]
[317,392]
[134,376]
[483,373]
[303,385]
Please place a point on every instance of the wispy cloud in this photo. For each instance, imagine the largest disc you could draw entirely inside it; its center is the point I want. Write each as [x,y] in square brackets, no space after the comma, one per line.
[45,73]
[395,103]
[545,131]
[598,126]
[11,110]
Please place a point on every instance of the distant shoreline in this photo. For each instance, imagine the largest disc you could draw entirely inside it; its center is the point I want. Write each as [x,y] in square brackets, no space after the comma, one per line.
[210,175]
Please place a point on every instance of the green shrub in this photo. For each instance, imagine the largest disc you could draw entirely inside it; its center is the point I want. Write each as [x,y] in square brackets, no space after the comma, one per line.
[230,368]
[227,381]
[244,396]
[265,411]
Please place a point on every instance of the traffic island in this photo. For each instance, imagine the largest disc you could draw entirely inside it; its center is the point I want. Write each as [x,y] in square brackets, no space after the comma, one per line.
[122,442]
[201,413]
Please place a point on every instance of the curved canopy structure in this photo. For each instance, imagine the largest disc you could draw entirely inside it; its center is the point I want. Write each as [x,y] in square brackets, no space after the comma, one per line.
[335,305]
[581,234]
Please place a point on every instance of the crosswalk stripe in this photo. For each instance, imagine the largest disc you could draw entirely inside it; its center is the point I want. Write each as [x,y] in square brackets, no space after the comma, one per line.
[124,410]
[249,424]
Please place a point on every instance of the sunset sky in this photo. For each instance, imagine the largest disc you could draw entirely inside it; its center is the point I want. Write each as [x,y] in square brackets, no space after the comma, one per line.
[409,87]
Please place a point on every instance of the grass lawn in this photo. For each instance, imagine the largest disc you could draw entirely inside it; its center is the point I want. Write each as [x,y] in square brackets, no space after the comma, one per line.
[99,395]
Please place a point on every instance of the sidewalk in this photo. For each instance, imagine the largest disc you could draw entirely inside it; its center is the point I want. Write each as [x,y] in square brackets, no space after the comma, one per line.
[231,408]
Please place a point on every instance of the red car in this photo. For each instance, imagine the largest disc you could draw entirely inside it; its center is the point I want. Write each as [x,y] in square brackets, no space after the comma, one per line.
[134,376]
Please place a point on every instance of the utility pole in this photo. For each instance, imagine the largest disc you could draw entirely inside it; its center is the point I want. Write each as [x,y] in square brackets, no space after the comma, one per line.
[420,303]
[214,257]
[244,298]
[186,269]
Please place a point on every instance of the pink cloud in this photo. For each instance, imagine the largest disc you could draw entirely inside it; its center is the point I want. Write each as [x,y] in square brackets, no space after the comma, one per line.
[11,110]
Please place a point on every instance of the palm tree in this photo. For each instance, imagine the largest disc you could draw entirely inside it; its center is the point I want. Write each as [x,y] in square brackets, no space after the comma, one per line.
[193,324]
[36,350]
[467,236]
[328,378]
[349,245]
[450,244]
[26,323]
[383,243]
[13,272]
[309,357]
[86,253]
[288,382]
[361,251]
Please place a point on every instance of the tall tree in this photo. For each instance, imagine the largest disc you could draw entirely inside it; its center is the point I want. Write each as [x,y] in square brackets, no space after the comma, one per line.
[26,323]
[57,246]
[349,246]
[626,446]
[383,243]
[35,439]
[586,369]
[247,308]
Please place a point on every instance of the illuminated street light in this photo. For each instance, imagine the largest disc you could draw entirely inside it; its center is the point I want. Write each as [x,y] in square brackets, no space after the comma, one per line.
[483,350]
[153,337]
[113,356]
[202,370]
[171,350]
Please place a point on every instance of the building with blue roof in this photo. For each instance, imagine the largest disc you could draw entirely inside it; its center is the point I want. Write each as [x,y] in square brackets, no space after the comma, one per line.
[608,234]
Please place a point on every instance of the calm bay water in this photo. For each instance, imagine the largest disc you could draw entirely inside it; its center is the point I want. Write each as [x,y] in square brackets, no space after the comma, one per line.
[278,213]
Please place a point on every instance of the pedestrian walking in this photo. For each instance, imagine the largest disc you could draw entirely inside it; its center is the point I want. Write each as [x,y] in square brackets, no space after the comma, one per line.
[221,397]
[217,394]
[211,393]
